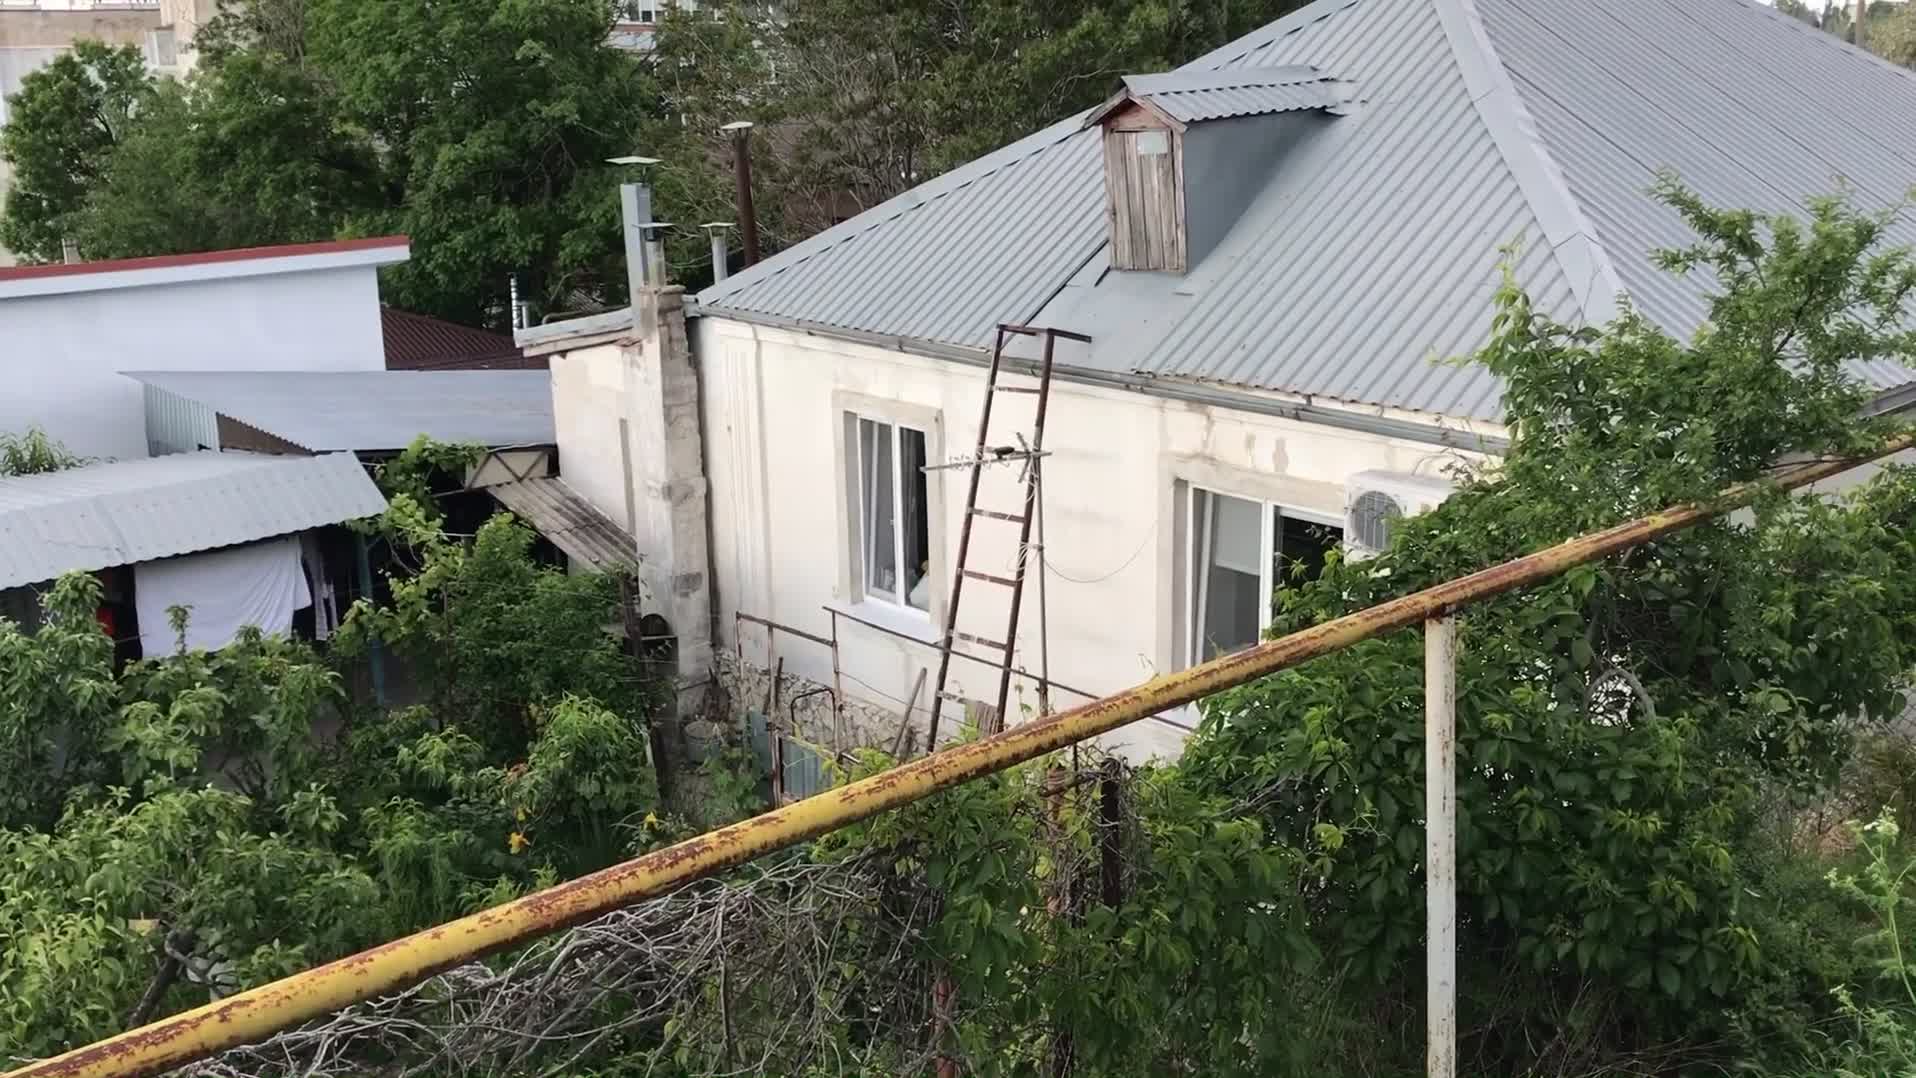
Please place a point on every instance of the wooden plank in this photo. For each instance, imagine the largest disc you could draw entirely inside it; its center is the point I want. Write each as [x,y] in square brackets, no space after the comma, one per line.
[1120,196]
[1179,234]
[1140,238]
[1150,251]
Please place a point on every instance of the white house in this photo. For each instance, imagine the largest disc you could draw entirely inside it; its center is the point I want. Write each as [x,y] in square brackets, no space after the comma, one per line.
[66,331]
[1268,249]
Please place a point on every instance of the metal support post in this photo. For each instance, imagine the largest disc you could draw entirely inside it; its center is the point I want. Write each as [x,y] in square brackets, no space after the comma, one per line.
[375,655]
[1440,844]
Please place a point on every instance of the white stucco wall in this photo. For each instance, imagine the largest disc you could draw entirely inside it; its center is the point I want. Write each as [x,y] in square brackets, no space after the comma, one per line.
[588,408]
[773,402]
[60,353]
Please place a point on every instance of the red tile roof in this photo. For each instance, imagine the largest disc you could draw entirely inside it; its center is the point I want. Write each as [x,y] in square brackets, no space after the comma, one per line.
[415,342]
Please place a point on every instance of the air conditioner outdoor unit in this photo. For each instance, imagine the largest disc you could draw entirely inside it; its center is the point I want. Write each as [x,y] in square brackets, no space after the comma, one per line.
[1374,501]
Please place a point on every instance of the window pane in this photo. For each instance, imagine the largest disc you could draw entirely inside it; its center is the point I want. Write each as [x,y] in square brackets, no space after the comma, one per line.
[1226,533]
[915,520]
[1301,547]
[877,484]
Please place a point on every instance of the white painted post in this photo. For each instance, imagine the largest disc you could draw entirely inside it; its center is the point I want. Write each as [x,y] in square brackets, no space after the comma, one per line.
[1440,845]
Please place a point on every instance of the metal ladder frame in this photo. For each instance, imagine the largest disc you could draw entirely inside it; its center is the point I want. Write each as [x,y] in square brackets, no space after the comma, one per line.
[1032,454]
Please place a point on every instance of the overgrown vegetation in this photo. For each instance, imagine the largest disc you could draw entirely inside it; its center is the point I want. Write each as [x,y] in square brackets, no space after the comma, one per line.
[1651,754]
[33,453]
[195,823]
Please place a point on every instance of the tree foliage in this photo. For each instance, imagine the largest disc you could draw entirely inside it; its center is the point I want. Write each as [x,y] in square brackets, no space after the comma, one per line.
[62,129]
[477,127]
[194,823]
[857,102]
[1624,732]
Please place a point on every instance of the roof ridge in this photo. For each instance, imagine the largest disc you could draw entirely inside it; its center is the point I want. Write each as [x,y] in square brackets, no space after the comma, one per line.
[1572,238]
[1314,12]
[1827,39]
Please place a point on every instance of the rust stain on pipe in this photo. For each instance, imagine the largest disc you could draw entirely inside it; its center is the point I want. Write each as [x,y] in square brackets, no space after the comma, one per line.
[258,1013]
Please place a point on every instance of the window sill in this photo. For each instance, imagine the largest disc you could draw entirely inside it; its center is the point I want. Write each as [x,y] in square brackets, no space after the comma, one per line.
[911,622]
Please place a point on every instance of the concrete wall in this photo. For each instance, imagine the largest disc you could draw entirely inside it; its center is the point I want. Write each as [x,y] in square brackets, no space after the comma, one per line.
[20,27]
[60,354]
[590,415]
[774,402]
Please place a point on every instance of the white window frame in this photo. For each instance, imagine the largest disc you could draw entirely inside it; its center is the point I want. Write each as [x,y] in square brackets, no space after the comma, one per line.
[895,612]
[1190,647]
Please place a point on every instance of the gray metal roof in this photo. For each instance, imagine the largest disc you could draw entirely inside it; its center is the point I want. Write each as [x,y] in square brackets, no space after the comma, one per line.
[1372,247]
[1195,96]
[573,524]
[128,511]
[373,411]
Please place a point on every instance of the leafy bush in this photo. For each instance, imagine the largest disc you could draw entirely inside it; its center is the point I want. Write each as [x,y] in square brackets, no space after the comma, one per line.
[1623,731]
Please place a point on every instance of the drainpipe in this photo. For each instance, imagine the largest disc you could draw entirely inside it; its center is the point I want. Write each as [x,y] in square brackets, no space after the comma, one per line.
[653,235]
[519,313]
[635,210]
[741,134]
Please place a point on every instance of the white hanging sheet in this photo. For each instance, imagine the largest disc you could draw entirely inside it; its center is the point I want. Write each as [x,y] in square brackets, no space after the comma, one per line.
[224,590]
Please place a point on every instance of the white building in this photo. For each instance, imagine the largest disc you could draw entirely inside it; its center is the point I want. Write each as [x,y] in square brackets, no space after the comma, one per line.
[1269,249]
[66,331]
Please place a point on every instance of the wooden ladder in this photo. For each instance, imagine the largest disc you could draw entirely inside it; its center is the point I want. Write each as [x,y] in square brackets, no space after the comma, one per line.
[1029,453]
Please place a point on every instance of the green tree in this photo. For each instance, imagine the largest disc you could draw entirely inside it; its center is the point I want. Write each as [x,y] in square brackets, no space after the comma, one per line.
[64,124]
[477,127]
[248,153]
[859,102]
[194,823]
[492,120]
[1623,732]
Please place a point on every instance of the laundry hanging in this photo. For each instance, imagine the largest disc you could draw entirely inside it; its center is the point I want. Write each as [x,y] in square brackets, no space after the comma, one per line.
[223,590]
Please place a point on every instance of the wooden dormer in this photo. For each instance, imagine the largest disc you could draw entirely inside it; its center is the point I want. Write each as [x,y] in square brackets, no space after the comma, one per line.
[1235,124]
[1144,204]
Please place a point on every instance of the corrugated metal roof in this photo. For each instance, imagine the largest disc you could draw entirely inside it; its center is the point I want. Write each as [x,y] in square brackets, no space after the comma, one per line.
[557,512]
[129,511]
[415,342]
[1719,92]
[1195,96]
[373,411]
[1373,247]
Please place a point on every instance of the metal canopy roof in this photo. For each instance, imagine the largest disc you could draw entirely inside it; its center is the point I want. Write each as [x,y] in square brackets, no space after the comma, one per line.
[373,411]
[1196,96]
[1373,246]
[129,511]
[559,513]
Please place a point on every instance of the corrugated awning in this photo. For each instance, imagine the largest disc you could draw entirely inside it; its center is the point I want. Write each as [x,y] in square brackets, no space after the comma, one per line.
[129,511]
[369,411]
[573,524]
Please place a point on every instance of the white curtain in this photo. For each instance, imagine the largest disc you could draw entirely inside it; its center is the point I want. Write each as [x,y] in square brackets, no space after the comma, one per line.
[223,590]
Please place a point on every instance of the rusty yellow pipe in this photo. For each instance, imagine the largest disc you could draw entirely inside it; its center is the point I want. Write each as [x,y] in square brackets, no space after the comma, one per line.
[260,1012]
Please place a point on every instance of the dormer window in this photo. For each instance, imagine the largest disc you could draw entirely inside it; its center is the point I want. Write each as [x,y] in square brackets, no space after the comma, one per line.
[1183,152]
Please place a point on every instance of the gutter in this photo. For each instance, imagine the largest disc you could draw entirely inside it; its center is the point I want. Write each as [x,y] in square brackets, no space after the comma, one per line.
[1190,393]
[1892,401]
